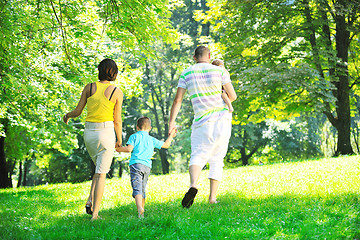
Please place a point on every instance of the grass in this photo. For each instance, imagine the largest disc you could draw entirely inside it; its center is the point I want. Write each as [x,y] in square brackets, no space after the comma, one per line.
[318,199]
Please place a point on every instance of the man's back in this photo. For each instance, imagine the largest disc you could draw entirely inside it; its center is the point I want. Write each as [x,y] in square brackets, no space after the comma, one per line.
[204,82]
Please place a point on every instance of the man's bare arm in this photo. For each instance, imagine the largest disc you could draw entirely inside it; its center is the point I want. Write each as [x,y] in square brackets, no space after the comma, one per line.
[175,108]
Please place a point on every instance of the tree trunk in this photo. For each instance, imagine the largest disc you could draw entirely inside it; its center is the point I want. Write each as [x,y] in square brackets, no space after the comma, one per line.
[339,75]
[163,152]
[164,162]
[343,128]
[110,174]
[5,179]
[244,157]
[20,174]
[26,170]
[120,169]
[342,38]
[356,137]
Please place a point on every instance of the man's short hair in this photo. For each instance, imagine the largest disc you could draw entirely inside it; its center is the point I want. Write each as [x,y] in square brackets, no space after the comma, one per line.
[201,51]
[143,123]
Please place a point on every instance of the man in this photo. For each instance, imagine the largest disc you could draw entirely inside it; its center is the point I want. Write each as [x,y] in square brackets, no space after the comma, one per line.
[211,128]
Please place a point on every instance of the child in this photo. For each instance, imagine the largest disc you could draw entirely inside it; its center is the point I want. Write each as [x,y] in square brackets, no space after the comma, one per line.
[220,63]
[141,145]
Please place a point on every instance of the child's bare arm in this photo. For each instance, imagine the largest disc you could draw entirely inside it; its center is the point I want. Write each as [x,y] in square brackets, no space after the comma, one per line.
[167,143]
[224,95]
[227,101]
[128,148]
[229,89]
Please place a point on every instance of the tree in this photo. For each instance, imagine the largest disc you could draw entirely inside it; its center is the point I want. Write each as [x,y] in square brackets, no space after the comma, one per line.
[246,141]
[159,99]
[299,35]
[48,50]
[161,73]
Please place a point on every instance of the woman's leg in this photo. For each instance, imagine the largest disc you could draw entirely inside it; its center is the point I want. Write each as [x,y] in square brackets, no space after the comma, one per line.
[98,193]
[91,195]
[89,205]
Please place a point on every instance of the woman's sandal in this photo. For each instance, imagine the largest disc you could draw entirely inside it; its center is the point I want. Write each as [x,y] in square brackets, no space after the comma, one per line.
[88,207]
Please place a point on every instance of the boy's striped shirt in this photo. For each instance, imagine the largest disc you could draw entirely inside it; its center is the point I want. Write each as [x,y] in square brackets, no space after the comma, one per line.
[204,82]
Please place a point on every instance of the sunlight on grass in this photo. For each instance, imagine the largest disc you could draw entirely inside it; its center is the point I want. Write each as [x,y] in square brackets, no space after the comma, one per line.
[313,199]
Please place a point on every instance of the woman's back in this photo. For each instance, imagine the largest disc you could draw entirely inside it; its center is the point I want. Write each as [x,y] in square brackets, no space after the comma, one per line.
[100,107]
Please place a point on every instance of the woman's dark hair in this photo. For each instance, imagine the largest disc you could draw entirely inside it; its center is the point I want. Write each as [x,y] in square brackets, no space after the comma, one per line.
[108,70]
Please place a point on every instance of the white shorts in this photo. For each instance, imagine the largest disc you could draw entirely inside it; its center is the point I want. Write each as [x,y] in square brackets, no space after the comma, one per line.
[100,143]
[209,144]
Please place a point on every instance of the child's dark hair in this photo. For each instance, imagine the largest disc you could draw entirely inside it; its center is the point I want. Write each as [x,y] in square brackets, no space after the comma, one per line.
[108,70]
[143,123]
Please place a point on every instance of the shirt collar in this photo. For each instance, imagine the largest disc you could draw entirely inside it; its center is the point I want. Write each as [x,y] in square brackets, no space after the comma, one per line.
[144,132]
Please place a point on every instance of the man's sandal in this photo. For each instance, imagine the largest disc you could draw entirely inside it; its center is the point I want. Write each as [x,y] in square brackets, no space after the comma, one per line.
[189,197]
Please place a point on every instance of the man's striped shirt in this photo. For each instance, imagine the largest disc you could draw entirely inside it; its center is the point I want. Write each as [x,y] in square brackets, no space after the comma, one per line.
[204,82]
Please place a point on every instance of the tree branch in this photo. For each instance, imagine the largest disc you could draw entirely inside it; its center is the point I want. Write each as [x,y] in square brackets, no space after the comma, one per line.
[63,33]
[2,8]
[312,38]
[356,81]
[16,108]
[330,116]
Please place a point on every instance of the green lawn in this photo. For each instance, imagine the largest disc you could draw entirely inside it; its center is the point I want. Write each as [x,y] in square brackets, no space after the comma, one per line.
[315,199]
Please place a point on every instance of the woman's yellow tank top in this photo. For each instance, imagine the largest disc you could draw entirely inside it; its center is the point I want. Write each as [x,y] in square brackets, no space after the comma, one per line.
[99,108]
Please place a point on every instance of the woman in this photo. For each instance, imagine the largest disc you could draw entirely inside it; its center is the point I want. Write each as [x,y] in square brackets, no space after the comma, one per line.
[104,116]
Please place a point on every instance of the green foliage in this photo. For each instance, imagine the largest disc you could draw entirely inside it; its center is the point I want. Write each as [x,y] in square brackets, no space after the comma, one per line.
[290,57]
[273,141]
[296,139]
[49,50]
[260,35]
[159,85]
[280,91]
[316,199]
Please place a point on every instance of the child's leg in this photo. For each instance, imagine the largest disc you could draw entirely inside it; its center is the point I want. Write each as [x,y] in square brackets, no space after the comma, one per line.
[227,101]
[139,200]
[146,171]
[139,174]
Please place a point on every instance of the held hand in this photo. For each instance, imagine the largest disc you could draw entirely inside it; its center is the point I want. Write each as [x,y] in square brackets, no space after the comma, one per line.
[173,132]
[117,148]
[171,127]
[118,143]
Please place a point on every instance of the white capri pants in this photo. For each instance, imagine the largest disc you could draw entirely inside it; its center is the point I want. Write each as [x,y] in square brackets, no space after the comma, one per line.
[100,143]
[209,144]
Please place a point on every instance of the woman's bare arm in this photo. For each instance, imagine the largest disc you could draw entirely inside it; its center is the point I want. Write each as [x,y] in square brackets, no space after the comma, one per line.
[117,116]
[128,148]
[80,107]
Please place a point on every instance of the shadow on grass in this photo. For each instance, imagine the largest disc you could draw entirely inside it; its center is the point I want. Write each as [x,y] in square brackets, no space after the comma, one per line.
[34,214]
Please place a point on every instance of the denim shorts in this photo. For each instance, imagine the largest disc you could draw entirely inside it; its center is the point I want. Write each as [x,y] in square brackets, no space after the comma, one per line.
[139,174]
